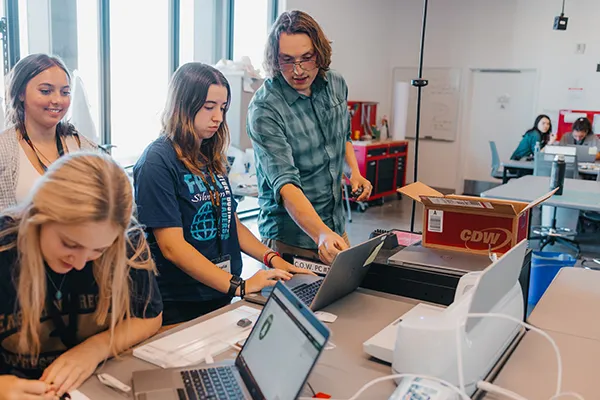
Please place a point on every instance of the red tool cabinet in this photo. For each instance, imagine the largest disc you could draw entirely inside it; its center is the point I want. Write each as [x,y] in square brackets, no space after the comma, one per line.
[383,164]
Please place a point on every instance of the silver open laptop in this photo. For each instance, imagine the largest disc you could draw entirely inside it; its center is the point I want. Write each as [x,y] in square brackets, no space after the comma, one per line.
[586,154]
[347,272]
[283,347]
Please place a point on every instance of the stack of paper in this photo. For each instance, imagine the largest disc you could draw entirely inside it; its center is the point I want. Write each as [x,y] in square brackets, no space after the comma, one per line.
[193,345]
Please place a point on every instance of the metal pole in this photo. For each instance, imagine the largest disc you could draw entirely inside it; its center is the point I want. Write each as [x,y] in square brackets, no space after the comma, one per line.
[11,7]
[419,83]
[174,33]
[104,50]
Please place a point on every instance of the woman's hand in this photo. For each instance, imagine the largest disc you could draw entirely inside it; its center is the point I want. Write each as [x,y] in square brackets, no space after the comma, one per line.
[14,388]
[279,263]
[73,367]
[264,278]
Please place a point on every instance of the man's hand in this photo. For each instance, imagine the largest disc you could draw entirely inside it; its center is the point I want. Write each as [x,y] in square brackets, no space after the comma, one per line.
[280,263]
[330,244]
[358,182]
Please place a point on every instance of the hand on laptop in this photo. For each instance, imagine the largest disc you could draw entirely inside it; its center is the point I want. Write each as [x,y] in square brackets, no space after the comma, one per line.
[283,265]
[330,244]
[264,278]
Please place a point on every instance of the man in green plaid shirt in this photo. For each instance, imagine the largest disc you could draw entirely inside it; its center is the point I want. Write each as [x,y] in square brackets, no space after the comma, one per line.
[299,125]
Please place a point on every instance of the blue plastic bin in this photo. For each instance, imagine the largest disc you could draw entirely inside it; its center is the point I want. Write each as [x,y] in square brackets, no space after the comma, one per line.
[544,267]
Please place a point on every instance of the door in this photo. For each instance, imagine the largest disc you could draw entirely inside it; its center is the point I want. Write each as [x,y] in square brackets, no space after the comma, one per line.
[502,110]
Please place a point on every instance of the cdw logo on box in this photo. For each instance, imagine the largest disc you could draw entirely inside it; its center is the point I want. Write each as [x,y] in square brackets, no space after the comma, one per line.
[471,224]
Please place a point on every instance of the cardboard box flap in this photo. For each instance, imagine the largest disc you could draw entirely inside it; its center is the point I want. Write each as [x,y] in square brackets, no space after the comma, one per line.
[472,204]
[418,189]
[539,200]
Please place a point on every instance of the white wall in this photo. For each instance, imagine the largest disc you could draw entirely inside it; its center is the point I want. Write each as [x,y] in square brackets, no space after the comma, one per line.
[462,34]
[359,31]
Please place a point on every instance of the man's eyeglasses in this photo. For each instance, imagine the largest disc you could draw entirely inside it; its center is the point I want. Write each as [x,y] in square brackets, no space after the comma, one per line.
[305,65]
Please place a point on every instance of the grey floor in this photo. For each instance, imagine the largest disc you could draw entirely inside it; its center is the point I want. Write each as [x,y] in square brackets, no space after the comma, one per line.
[395,214]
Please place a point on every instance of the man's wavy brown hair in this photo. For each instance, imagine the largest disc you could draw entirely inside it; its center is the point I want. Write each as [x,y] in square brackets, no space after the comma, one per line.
[296,22]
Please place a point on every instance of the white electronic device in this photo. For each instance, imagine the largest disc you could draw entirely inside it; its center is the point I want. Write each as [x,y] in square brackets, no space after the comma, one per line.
[423,341]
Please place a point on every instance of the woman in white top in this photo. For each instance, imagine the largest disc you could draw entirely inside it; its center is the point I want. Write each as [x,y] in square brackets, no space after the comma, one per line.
[38,97]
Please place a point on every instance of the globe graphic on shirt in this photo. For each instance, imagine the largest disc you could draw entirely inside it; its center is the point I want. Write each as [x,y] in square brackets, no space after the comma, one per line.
[203,226]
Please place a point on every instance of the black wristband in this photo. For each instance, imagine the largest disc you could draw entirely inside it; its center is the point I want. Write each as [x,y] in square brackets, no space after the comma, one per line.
[234,282]
[243,289]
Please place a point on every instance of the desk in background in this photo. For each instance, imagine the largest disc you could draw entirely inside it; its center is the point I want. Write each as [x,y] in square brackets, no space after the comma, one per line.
[585,169]
[578,194]
[340,371]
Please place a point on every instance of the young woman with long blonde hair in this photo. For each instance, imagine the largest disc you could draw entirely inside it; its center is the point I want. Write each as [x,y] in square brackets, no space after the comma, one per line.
[185,201]
[77,281]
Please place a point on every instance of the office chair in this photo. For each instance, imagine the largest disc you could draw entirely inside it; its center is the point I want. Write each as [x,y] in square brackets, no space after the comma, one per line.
[496,172]
[550,235]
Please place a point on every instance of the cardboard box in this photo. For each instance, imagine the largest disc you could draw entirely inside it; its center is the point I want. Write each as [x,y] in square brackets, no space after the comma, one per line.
[471,224]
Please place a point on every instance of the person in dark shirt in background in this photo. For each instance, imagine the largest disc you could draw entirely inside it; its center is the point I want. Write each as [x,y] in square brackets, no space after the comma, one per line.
[540,134]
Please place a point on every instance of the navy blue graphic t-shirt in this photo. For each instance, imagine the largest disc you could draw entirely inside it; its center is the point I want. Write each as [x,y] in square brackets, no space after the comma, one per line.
[78,287]
[168,195]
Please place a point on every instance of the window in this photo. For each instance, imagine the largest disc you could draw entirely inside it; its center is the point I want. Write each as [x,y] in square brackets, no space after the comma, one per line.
[186,31]
[87,56]
[250,30]
[139,74]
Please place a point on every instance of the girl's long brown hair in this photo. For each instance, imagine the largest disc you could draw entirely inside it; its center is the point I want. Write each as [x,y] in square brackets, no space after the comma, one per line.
[187,93]
[295,22]
[77,188]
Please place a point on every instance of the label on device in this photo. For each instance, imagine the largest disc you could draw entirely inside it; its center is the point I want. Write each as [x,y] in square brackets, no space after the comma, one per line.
[315,267]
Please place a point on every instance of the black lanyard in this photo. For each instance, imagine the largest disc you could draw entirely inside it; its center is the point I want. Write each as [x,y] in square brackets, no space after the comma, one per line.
[215,200]
[59,147]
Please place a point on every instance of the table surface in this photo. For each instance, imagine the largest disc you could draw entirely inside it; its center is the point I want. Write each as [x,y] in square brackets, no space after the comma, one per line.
[531,370]
[340,371]
[518,164]
[584,168]
[578,194]
[570,304]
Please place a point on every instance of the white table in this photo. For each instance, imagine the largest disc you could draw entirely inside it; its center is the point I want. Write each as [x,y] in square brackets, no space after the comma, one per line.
[577,194]
[340,371]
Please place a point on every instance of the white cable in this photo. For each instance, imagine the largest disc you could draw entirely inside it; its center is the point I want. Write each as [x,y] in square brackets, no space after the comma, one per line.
[462,395]
[491,388]
[530,327]
[570,394]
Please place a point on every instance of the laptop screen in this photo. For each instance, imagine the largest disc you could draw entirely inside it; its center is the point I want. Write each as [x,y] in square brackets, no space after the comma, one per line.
[282,348]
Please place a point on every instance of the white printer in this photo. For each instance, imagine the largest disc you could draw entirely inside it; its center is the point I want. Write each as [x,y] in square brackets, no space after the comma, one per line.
[424,340]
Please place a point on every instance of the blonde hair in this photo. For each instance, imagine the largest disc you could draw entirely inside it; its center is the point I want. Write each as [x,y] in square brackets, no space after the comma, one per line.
[78,188]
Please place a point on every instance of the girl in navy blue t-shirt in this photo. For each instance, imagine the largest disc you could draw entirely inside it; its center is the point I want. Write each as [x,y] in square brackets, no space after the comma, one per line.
[185,201]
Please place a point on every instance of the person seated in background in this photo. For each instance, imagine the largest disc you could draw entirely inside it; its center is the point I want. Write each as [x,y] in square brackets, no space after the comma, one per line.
[540,133]
[185,201]
[77,280]
[581,134]
[38,97]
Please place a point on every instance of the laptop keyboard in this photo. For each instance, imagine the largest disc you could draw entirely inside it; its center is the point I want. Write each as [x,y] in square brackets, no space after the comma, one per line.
[217,383]
[307,292]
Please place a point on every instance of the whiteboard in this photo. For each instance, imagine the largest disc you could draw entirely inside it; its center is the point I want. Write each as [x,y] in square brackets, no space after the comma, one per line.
[440,102]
